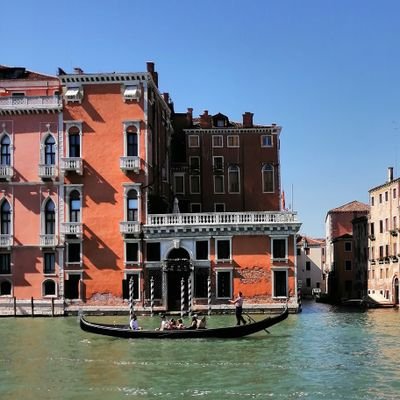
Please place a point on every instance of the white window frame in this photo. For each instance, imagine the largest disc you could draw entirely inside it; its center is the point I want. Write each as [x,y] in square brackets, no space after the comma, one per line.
[220,239]
[180,175]
[2,279]
[214,163]
[194,204]
[126,262]
[127,189]
[216,145]
[265,142]
[6,133]
[233,139]
[43,215]
[223,184]
[43,138]
[217,271]
[196,138]
[68,190]
[68,126]
[191,186]
[126,125]
[56,288]
[191,158]
[74,263]
[279,269]
[273,178]
[285,238]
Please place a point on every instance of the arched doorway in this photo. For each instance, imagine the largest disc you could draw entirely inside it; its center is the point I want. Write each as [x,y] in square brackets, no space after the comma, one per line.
[396,291]
[177,266]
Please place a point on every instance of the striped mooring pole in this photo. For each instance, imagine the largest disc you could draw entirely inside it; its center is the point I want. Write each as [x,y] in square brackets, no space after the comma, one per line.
[182,297]
[189,296]
[131,297]
[209,294]
[152,295]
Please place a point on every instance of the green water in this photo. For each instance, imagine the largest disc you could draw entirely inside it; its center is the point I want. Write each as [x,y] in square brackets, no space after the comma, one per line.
[318,354]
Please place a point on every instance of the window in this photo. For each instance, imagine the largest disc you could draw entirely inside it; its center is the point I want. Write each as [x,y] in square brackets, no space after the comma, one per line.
[299,252]
[195,207]
[347,265]
[279,249]
[219,207]
[218,184]
[153,251]
[5,211]
[194,163]
[234,179]
[380,226]
[394,222]
[50,218]
[380,197]
[308,266]
[132,206]
[179,184]
[386,196]
[74,206]
[195,184]
[386,224]
[49,263]
[266,141]
[224,284]
[232,141]
[372,200]
[74,252]
[194,141]
[220,123]
[5,150]
[218,164]
[223,249]
[268,178]
[217,141]
[394,193]
[380,252]
[131,141]
[5,263]
[347,246]
[49,288]
[201,282]
[131,252]
[5,288]
[308,282]
[74,142]
[50,150]
[202,250]
[280,283]
[372,228]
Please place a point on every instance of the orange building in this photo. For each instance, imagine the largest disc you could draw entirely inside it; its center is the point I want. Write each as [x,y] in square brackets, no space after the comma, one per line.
[123,189]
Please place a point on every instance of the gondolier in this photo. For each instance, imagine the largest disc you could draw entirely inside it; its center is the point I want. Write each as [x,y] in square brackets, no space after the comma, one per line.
[238,302]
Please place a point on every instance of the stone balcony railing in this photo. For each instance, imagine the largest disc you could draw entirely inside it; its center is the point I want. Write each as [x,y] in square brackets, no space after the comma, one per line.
[6,172]
[47,171]
[72,228]
[72,164]
[129,227]
[48,240]
[30,103]
[6,240]
[130,164]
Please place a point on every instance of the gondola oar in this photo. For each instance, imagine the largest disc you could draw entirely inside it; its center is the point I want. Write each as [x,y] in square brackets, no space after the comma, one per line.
[253,320]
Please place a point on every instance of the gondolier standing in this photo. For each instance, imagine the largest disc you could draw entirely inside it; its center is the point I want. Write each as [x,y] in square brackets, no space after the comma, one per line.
[238,302]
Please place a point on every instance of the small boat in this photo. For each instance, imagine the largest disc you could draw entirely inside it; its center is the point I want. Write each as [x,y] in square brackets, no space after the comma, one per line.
[124,331]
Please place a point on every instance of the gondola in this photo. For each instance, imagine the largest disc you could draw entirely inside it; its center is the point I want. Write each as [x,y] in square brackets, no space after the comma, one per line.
[123,331]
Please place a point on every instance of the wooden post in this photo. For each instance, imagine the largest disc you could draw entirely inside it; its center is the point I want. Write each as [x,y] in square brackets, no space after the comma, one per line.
[32,308]
[152,295]
[189,297]
[131,297]
[209,294]
[15,306]
[52,306]
[182,297]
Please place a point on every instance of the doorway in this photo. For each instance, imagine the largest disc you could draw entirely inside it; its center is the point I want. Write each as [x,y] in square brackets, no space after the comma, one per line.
[396,291]
[174,281]
[72,286]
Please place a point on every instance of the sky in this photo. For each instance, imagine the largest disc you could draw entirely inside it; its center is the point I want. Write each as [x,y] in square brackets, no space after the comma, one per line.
[327,71]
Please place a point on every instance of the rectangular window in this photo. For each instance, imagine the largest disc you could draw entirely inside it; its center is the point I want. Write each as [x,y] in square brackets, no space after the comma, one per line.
[380,226]
[194,163]
[380,197]
[74,253]
[218,164]
[280,283]
[201,282]
[347,265]
[153,251]
[386,196]
[279,249]
[394,193]
[394,223]
[386,224]
[224,284]
[195,207]
[266,141]
[308,282]
[347,246]
[202,250]
[218,184]
[372,200]
[223,249]
[232,141]
[5,263]
[195,184]
[372,227]
[194,141]
[217,141]
[132,252]
[49,263]
[299,252]
[219,207]
[179,183]
[308,266]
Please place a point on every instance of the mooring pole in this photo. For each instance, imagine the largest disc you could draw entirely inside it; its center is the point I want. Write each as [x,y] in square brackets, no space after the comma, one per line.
[152,295]
[209,294]
[189,296]
[182,297]
[131,294]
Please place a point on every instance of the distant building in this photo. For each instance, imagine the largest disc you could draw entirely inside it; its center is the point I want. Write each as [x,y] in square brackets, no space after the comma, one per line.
[384,248]
[360,257]
[310,264]
[342,282]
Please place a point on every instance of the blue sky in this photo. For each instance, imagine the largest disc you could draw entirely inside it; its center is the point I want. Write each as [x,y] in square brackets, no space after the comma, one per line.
[327,71]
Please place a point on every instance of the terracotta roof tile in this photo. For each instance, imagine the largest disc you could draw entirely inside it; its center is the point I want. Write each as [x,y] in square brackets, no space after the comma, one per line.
[351,207]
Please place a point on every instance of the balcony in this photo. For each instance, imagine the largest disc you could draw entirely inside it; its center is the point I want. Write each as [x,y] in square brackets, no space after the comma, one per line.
[72,164]
[129,227]
[6,172]
[27,103]
[72,228]
[6,240]
[128,164]
[48,240]
[47,171]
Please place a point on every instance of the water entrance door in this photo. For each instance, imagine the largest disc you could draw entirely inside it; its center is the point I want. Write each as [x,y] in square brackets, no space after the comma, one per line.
[174,279]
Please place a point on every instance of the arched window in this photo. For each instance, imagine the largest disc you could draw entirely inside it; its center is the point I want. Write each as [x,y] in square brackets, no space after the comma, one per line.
[49,288]
[5,150]
[132,206]
[5,211]
[268,178]
[131,141]
[74,142]
[74,206]
[5,288]
[234,179]
[50,150]
[50,218]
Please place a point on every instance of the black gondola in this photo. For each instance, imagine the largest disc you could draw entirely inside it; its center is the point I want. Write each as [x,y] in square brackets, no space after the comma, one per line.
[123,331]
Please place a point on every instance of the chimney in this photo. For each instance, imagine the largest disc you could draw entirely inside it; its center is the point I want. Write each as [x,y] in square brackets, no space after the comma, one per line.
[390,174]
[205,120]
[152,72]
[189,116]
[78,71]
[248,119]
[166,97]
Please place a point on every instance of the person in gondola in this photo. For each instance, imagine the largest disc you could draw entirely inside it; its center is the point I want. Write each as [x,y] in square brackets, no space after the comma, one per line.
[238,302]
[134,324]
[193,324]
[179,324]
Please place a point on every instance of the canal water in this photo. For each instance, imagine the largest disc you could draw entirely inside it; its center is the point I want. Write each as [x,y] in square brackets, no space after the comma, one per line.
[322,353]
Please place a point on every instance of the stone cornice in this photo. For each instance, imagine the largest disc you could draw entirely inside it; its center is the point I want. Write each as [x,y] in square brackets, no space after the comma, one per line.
[234,131]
